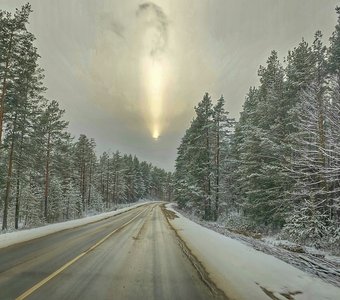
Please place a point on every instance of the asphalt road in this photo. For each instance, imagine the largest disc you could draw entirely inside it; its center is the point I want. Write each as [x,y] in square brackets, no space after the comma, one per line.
[134,255]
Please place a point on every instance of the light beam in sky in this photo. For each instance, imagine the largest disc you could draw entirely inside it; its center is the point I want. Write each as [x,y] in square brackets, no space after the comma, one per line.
[154,85]
[154,36]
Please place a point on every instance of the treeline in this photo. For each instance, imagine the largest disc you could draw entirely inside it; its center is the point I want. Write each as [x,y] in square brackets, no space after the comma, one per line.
[46,176]
[279,166]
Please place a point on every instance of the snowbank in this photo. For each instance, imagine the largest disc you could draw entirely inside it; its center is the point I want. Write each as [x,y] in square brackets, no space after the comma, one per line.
[244,273]
[12,238]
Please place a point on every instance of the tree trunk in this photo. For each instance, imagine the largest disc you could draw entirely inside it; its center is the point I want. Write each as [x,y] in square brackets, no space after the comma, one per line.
[90,182]
[107,184]
[208,204]
[19,163]
[17,204]
[322,142]
[9,176]
[47,175]
[114,186]
[217,173]
[17,198]
[102,185]
[83,184]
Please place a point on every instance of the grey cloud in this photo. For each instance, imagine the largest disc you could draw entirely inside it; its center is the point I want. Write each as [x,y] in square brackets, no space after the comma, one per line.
[91,52]
[108,21]
[117,28]
[153,16]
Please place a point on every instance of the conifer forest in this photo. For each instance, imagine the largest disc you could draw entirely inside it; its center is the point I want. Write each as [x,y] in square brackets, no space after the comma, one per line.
[46,174]
[277,167]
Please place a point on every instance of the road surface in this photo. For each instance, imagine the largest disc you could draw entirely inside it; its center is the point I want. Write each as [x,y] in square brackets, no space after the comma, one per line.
[134,255]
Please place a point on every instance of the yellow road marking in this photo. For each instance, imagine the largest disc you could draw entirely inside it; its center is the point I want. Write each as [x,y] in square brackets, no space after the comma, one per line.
[65,266]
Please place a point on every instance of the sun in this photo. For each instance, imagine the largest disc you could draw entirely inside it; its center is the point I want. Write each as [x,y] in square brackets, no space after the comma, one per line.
[155,133]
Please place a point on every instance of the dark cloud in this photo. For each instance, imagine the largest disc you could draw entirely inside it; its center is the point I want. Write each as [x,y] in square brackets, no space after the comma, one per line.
[153,16]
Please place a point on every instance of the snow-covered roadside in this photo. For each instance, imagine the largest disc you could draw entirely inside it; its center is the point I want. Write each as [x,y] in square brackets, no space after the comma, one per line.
[20,236]
[245,273]
[311,260]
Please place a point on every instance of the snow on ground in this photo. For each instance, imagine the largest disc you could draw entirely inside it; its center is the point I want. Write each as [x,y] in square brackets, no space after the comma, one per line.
[316,262]
[20,236]
[245,273]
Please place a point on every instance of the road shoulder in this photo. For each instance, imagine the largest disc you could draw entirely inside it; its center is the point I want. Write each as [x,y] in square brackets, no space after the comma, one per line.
[243,272]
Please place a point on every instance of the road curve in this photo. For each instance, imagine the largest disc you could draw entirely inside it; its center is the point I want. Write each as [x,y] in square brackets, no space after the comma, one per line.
[134,255]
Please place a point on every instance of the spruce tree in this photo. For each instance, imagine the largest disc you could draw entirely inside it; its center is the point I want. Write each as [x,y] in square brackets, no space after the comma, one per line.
[49,133]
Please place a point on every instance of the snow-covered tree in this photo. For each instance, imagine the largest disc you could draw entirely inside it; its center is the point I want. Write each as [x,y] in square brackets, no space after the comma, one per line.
[200,156]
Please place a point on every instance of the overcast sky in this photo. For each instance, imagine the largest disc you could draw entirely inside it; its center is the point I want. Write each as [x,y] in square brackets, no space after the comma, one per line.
[126,71]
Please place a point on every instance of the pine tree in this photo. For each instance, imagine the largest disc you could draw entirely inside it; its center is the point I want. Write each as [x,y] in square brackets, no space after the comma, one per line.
[49,132]
[13,34]
[85,161]
[334,49]
[197,177]
[222,126]
[334,122]
[20,93]
[261,131]
[202,127]
[299,73]
[186,192]
[310,145]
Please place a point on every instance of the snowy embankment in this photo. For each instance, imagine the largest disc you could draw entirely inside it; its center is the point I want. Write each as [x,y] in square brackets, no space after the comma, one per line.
[316,262]
[245,273]
[20,236]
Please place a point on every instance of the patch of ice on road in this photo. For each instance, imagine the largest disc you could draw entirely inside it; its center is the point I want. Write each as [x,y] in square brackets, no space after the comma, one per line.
[245,273]
[16,237]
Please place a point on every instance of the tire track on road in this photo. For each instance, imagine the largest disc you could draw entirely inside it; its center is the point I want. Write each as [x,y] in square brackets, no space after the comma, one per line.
[71,262]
